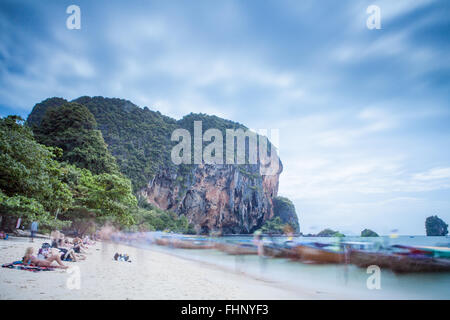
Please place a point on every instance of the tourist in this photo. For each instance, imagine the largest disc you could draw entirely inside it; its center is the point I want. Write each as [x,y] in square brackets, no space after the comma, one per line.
[34,229]
[29,259]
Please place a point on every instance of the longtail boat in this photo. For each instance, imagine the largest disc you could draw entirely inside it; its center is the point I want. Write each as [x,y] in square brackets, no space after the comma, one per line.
[318,254]
[399,262]
[429,251]
[192,244]
[237,248]
[279,250]
[162,241]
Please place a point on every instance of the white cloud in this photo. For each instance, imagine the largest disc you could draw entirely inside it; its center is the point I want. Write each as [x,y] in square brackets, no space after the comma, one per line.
[433,174]
[346,145]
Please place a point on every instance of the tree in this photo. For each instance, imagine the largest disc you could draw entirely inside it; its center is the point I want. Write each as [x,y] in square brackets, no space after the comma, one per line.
[274,225]
[435,226]
[30,178]
[99,198]
[151,218]
[72,127]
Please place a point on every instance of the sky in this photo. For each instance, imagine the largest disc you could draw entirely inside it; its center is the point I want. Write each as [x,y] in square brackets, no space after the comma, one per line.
[363,114]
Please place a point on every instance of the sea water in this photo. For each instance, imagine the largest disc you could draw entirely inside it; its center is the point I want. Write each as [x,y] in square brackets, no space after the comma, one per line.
[343,281]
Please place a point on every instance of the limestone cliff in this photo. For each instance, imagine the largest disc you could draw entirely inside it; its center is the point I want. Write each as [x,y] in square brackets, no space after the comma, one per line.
[223,198]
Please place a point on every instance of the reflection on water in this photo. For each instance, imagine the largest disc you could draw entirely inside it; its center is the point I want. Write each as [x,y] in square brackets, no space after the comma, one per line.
[345,281]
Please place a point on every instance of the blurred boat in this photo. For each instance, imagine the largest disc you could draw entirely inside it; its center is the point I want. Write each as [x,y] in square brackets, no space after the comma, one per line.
[435,252]
[184,243]
[400,262]
[192,244]
[162,241]
[237,248]
[284,250]
[318,253]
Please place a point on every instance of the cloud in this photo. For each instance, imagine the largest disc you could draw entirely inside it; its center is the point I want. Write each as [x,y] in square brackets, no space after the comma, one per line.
[363,115]
[433,175]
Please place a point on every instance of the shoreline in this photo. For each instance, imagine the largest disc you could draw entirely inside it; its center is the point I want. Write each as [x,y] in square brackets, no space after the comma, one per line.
[151,275]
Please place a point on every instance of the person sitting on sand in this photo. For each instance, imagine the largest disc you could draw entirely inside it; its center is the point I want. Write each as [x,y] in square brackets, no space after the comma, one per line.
[29,259]
[87,241]
[3,235]
[78,246]
[57,239]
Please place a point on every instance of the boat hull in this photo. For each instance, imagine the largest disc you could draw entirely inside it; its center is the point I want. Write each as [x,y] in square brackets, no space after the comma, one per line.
[316,255]
[279,252]
[182,244]
[235,249]
[399,263]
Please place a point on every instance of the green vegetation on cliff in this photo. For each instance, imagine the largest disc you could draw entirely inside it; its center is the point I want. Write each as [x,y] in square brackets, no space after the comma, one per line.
[285,219]
[72,128]
[35,186]
[149,217]
[138,138]
[285,209]
[117,138]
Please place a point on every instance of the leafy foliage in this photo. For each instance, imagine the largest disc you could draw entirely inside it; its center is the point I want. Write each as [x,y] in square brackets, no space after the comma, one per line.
[285,209]
[30,178]
[149,217]
[72,128]
[36,187]
[104,197]
[274,225]
[138,138]
[41,108]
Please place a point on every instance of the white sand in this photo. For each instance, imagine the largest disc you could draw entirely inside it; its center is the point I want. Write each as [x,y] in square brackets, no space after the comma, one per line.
[151,275]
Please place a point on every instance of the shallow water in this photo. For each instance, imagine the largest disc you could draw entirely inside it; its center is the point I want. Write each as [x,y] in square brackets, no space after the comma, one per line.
[346,281]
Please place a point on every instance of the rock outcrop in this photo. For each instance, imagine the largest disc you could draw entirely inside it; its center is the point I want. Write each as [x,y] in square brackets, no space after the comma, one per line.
[222,198]
[285,209]
[369,233]
[216,198]
[435,226]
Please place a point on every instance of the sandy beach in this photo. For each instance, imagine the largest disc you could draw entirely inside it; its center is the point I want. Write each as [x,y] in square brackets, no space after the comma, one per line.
[150,275]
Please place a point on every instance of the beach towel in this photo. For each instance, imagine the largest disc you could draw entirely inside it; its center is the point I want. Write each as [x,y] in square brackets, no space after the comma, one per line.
[20,266]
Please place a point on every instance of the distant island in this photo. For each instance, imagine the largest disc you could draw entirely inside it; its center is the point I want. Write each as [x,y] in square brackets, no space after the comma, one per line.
[435,226]
[369,233]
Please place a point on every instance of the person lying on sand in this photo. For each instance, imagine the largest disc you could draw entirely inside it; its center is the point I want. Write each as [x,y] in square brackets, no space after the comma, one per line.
[65,254]
[122,257]
[29,259]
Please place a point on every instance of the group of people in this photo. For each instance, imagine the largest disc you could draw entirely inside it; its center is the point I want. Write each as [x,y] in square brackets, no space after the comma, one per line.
[61,249]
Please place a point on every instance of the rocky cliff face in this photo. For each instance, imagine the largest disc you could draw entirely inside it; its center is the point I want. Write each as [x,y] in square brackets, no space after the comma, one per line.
[285,209]
[223,198]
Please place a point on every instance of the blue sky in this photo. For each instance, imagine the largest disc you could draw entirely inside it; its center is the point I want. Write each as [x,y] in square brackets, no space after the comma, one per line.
[363,114]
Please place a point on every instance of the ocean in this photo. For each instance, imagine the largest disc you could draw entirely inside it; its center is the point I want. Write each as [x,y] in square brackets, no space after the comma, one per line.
[348,281]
